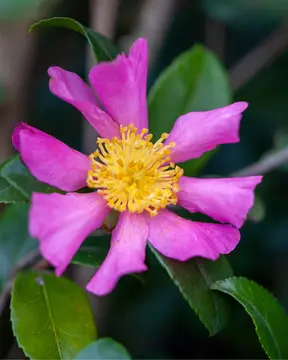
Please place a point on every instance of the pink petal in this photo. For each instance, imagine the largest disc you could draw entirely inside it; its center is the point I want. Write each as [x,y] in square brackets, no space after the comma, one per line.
[121,86]
[62,222]
[126,254]
[198,132]
[225,200]
[50,160]
[182,239]
[69,87]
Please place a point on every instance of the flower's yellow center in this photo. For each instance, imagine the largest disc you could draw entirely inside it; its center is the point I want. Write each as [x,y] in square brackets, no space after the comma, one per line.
[134,174]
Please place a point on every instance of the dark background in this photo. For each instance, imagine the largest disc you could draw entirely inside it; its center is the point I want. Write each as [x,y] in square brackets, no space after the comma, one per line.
[153,320]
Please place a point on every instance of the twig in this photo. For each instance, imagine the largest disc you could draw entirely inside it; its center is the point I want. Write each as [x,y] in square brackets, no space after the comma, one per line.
[215,36]
[154,18]
[259,57]
[41,265]
[15,70]
[24,264]
[103,15]
[15,66]
[270,162]
[5,294]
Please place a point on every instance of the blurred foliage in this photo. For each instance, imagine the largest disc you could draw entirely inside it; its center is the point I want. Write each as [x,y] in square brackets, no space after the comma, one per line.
[247,12]
[2,94]
[15,242]
[11,10]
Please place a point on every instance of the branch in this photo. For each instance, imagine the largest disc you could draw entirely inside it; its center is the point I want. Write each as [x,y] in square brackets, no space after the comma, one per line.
[259,57]
[270,162]
[215,37]
[26,262]
[154,19]
[103,15]
[15,69]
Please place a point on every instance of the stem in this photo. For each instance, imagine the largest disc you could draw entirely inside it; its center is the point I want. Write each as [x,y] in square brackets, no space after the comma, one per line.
[270,162]
[259,57]
[152,23]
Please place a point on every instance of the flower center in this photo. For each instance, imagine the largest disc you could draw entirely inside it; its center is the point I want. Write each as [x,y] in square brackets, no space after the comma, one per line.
[134,174]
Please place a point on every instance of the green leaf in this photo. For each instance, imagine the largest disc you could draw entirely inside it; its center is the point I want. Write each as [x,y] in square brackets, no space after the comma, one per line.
[104,349]
[195,81]
[269,318]
[194,279]
[51,317]
[17,184]
[101,47]
[15,242]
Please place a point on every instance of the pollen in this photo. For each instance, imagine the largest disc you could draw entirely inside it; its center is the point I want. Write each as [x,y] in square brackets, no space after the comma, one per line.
[134,174]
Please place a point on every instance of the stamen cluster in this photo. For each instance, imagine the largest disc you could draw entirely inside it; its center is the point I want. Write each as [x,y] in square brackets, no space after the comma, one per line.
[134,174]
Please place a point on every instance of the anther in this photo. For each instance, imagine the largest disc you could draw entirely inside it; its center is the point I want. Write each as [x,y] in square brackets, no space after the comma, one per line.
[134,174]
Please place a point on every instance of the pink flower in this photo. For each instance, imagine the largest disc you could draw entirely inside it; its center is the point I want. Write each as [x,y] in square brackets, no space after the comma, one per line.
[131,175]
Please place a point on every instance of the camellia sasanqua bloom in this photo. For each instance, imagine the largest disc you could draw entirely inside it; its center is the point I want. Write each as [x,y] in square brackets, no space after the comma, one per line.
[132,175]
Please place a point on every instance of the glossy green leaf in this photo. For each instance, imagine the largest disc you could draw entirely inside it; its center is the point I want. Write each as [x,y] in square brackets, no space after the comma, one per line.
[195,81]
[194,279]
[269,318]
[15,242]
[51,317]
[17,184]
[104,349]
[101,47]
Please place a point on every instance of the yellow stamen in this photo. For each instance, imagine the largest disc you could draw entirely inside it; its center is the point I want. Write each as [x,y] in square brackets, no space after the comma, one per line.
[134,174]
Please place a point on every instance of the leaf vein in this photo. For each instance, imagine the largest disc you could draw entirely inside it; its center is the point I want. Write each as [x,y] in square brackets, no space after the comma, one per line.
[51,319]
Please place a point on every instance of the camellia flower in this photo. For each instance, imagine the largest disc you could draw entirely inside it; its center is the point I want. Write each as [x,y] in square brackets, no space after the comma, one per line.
[132,175]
